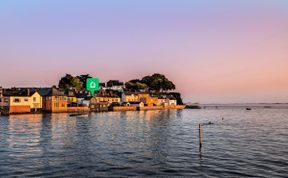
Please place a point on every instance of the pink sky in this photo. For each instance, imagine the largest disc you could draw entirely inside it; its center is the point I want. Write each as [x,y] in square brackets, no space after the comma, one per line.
[214,52]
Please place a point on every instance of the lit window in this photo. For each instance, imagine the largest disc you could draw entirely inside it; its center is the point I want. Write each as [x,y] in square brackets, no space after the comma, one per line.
[17,100]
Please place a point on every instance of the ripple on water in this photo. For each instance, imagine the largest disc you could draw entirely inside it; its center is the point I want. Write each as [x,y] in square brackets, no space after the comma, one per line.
[150,143]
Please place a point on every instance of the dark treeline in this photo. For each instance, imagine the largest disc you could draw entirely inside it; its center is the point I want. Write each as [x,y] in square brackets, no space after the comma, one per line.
[77,83]
[153,83]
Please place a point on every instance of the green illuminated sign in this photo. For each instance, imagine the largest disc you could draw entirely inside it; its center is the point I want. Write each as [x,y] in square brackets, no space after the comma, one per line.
[92,85]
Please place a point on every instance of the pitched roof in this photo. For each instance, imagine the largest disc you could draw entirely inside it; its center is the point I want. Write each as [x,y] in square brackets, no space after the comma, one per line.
[21,92]
[51,92]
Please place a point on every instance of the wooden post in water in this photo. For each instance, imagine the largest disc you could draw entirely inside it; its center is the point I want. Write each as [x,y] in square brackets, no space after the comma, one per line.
[200,137]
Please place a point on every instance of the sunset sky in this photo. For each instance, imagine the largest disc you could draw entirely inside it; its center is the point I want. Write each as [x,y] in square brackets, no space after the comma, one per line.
[215,51]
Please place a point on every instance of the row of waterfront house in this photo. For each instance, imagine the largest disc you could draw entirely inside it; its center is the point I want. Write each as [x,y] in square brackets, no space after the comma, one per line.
[34,100]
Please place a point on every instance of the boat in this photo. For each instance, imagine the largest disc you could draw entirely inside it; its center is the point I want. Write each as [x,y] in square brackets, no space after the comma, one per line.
[248,109]
[77,114]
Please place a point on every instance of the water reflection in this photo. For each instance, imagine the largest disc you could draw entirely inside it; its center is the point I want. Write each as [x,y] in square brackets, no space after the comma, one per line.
[145,143]
[26,135]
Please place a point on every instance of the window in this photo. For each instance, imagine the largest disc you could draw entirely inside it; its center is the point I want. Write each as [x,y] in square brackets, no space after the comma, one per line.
[63,105]
[56,105]
[6,100]
[17,100]
[0,100]
[26,99]
[34,99]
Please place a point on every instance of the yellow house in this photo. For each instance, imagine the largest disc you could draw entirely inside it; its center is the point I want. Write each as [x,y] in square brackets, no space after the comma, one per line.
[35,101]
[140,97]
[54,100]
[130,97]
[71,97]
[103,97]
[21,103]
[106,98]
[56,103]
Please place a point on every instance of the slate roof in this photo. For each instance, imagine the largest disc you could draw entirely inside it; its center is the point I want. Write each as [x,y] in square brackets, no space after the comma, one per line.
[21,92]
[50,92]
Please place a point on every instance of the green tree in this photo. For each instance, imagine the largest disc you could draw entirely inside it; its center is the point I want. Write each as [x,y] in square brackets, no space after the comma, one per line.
[70,82]
[158,82]
[83,79]
[135,85]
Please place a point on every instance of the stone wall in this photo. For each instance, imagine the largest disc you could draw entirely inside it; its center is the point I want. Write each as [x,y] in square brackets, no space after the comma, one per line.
[145,108]
[124,108]
[78,109]
[175,107]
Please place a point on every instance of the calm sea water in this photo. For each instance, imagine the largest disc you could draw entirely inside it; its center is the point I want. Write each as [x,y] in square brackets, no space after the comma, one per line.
[149,143]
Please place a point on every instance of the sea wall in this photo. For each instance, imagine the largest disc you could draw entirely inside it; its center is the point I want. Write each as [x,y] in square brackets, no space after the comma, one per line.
[78,109]
[145,108]
[175,107]
[26,109]
[124,108]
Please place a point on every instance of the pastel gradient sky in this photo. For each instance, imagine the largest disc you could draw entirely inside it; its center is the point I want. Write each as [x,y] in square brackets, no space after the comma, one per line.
[215,51]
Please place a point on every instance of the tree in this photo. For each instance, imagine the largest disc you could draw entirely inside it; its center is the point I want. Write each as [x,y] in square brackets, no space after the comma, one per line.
[135,85]
[69,82]
[168,85]
[147,79]
[158,82]
[83,79]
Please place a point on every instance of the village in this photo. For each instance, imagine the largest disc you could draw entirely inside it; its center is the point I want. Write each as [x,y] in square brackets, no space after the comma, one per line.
[112,96]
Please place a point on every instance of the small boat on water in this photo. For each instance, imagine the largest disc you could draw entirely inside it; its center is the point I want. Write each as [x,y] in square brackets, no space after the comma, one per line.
[77,114]
[248,109]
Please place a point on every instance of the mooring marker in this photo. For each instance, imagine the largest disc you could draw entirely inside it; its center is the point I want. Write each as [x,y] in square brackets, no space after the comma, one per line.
[200,137]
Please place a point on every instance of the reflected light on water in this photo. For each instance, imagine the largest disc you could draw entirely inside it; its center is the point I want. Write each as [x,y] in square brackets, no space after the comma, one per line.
[145,143]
